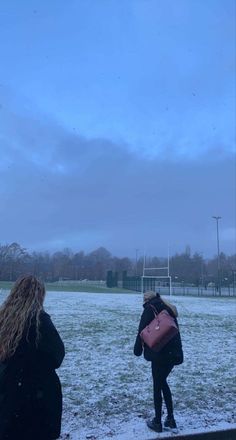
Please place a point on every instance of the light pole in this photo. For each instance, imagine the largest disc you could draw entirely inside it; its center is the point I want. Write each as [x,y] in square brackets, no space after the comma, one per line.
[217,218]
[136,261]
[202,270]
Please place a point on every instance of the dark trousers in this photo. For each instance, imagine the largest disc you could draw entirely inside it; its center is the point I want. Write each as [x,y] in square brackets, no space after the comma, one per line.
[161,388]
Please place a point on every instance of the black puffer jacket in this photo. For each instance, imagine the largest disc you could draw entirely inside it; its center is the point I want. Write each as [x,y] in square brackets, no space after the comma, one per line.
[30,390]
[172,352]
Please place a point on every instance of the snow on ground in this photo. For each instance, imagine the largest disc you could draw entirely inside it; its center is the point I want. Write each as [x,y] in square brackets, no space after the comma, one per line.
[108,391]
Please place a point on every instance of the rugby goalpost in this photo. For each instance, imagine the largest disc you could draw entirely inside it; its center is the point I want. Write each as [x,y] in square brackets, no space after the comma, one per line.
[167,276]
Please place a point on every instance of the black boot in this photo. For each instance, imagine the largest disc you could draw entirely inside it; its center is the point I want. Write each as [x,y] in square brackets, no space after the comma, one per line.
[154,425]
[170,423]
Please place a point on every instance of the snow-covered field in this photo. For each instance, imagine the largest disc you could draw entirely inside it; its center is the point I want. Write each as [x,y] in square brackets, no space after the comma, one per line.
[108,391]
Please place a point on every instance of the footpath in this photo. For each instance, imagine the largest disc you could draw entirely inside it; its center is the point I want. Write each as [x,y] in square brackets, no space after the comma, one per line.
[226,434]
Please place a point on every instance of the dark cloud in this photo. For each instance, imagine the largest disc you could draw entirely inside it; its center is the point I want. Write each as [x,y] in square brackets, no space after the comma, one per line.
[60,190]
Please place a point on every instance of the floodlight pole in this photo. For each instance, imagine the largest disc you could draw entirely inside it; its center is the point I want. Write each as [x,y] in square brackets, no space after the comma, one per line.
[202,284]
[136,262]
[217,218]
[168,269]
[142,279]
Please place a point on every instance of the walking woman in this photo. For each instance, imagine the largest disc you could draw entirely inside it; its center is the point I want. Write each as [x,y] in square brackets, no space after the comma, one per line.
[162,362]
[30,351]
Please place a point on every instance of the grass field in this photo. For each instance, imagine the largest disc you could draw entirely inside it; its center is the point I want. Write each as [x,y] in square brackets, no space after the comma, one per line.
[92,287]
[71,287]
[108,392]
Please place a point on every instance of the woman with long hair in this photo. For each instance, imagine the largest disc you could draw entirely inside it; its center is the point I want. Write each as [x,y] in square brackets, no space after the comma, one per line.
[30,351]
[162,362]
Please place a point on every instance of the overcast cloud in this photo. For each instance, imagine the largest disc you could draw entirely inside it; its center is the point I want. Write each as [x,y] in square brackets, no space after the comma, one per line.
[61,190]
[117,125]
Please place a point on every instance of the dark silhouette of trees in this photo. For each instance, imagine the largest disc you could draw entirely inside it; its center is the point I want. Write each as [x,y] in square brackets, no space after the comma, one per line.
[13,260]
[68,265]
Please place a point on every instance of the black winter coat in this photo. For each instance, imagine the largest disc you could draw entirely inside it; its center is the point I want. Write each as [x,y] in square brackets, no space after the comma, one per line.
[172,353]
[30,390]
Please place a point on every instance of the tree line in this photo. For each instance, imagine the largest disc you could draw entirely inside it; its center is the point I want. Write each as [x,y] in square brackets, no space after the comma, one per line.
[67,264]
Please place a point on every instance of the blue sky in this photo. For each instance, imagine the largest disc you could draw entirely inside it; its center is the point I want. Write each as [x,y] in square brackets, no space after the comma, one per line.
[125,103]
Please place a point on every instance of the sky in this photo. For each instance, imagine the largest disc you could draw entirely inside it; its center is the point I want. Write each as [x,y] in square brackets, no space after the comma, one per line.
[117,125]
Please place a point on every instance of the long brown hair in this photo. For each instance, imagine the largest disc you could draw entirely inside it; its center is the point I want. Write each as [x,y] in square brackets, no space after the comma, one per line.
[24,303]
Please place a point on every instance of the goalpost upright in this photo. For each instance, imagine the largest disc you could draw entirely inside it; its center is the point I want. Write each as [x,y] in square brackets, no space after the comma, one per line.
[156,277]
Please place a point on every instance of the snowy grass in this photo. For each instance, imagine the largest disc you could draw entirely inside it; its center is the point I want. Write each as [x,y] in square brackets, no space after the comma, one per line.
[108,391]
